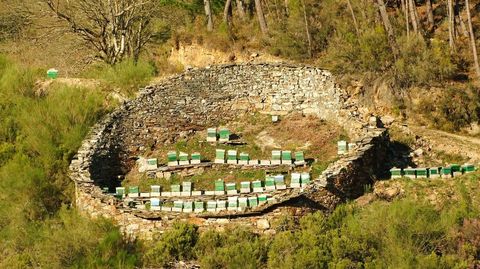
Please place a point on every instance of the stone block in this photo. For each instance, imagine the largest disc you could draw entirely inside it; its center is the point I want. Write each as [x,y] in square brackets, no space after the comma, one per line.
[219,161]
[176,194]
[281,187]
[276,162]
[269,188]
[295,185]
[257,190]
[155,194]
[242,162]
[144,194]
[195,162]
[219,192]
[232,192]
[253,162]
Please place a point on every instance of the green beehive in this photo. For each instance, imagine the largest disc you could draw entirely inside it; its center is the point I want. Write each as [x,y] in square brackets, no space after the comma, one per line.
[279,180]
[342,147]
[211,206]
[395,172]
[468,168]
[232,155]
[276,155]
[133,189]
[257,184]
[187,186]
[175,188]
[155,189]
[434,172]
[299,157]
[199,206]
[178,205]
[196,156]
[422,172]
[183,157]
[52,73]
[172,156]
[243,202]
[269,181]
[224,134]
[409,172]
[244,156]
[245,184]
[152,162]
[287,156]
[211,134]
[295,180]
[187,206]
[253,201]
[221,205]
[231,186]
[305,177]
[447,171]
[120,191]
[456,168]
[262,199]
[219,185]
[220,154]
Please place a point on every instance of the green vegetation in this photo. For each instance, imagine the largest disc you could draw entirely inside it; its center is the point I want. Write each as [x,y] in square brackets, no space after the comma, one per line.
[128,76]
[39,134]
[410,232]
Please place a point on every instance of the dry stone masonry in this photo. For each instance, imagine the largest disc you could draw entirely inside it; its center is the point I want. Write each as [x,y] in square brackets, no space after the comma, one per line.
[200,98]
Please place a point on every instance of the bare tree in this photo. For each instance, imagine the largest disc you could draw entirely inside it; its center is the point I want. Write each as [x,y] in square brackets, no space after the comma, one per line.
[388,27]
[240,9]
[430,19]
[349,4]
[451,24]
[261,16]
[472,39]
[116,29]
[227,13]
[208,13]
[307,29]
[414,16]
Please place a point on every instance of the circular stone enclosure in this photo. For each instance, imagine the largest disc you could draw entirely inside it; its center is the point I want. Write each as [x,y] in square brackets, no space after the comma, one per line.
[201,98]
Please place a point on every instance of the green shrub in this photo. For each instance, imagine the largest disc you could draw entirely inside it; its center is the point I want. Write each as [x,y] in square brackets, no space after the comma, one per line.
[421,63]
[175,244]
[127,76]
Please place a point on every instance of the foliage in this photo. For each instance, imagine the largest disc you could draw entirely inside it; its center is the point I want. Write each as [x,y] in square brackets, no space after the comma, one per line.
[173,245]
[127,76]
[39,135]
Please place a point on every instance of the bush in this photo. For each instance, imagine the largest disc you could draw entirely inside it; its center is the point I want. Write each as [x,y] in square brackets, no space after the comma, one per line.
[421,63]
[127,76]
[175,244]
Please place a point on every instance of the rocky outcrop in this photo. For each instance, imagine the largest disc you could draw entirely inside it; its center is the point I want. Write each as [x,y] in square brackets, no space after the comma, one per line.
[200,98]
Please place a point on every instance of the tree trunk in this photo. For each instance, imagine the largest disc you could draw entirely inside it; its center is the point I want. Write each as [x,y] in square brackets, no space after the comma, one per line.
[430,18]
[261,17]
[413,16]
[208,13]
[451,25]
[388,27]
[472,39]
[353,17]
[287,12]
[227,12]
[240,9]
[407,21]
[307,30]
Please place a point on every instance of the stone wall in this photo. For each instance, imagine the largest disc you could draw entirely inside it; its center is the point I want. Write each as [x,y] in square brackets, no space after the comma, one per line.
[200,98]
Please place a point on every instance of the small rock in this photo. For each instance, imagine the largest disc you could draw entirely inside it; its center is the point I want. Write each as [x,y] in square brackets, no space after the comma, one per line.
[263,224]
